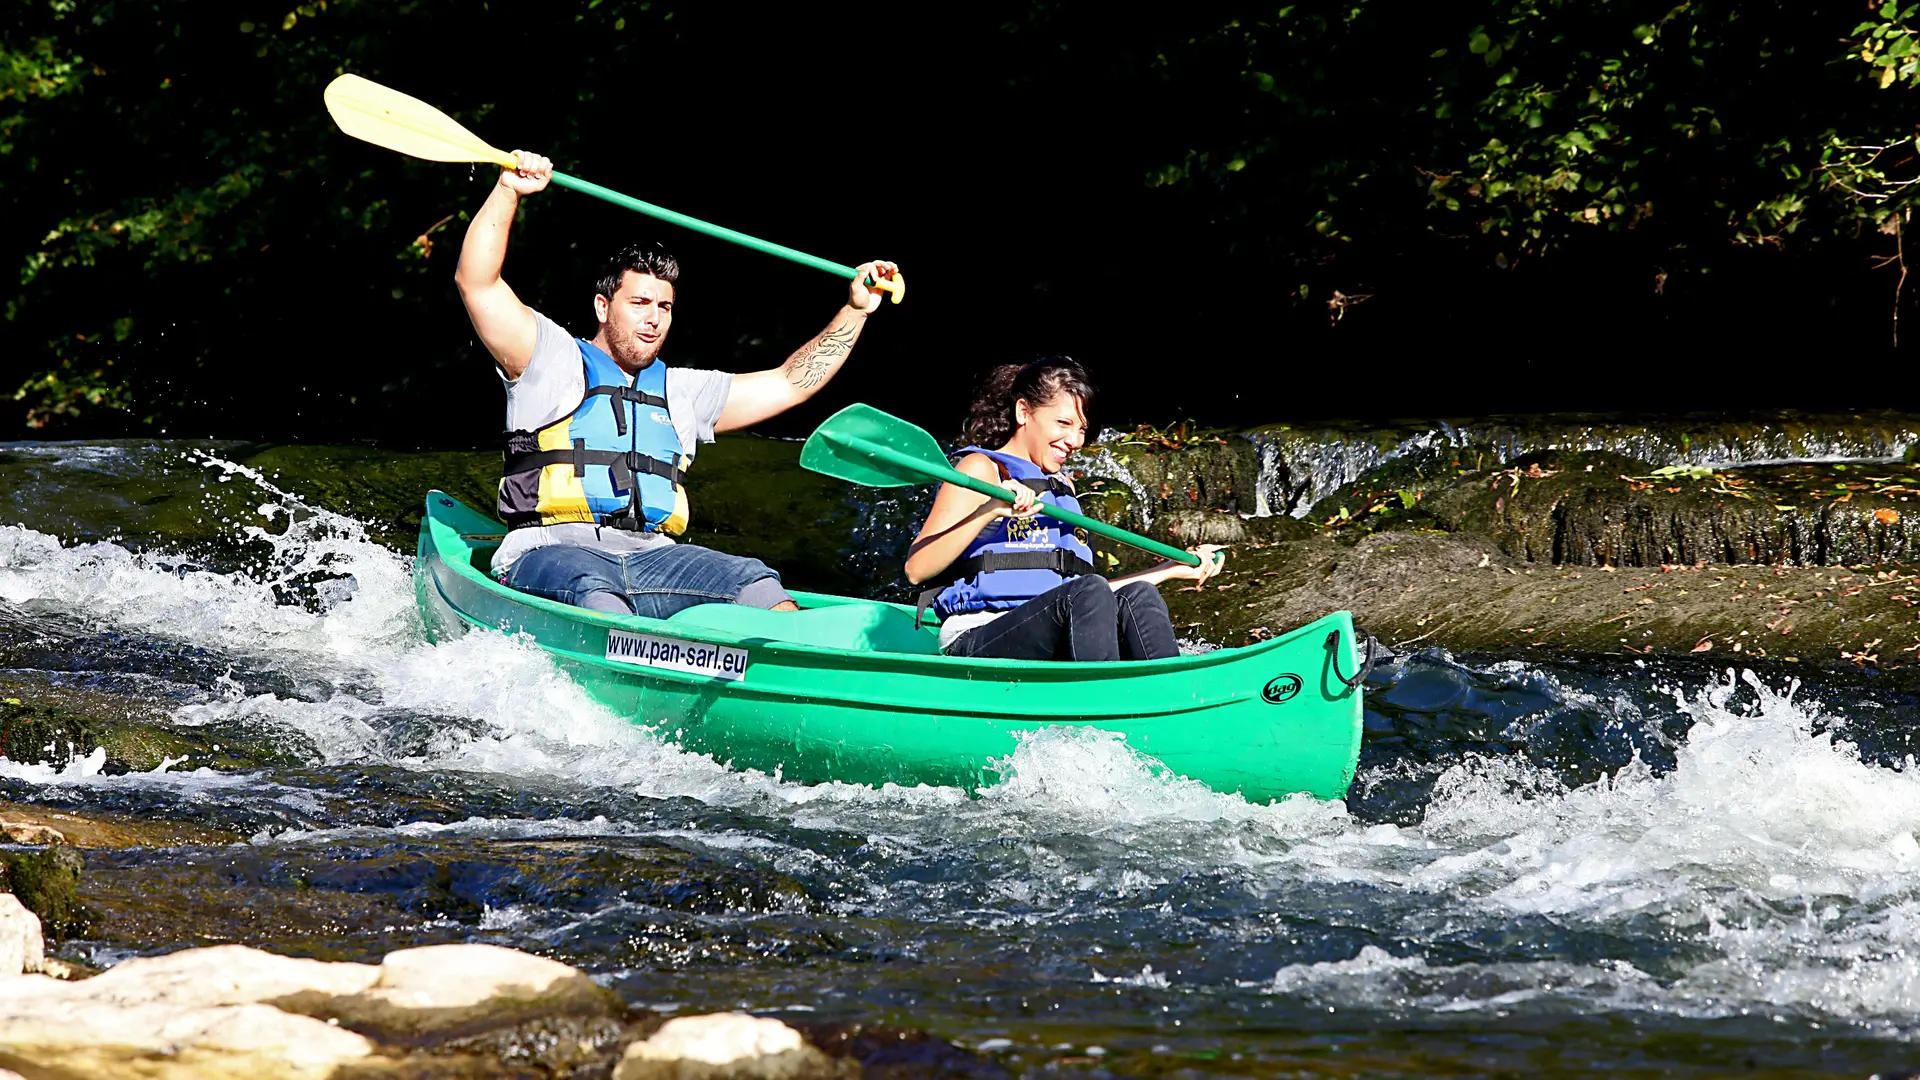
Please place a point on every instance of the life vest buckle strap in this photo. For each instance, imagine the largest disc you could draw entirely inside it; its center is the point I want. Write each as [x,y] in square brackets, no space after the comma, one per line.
[626,465]
[1059,560]
[927,597]
[1045,485]
[639,464]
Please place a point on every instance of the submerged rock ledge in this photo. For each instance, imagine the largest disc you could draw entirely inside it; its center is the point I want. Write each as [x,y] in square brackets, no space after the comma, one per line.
[1462,592]
[1785,540]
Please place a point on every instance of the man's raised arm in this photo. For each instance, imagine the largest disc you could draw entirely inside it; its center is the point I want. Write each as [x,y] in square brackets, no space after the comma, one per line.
[505,325]
[758,395]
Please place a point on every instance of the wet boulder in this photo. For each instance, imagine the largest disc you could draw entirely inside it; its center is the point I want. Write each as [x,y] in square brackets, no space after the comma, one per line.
[47,881]
[22,823]
[46,720]
[233,1011]
[442,988]
[1137,479]
[1461,592]
[735,1046]
[1186,490]
[197,1013]
[22,949]
[1599,509]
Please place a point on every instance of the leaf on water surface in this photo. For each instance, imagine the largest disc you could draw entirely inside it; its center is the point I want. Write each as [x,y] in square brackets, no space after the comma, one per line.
[1691,472]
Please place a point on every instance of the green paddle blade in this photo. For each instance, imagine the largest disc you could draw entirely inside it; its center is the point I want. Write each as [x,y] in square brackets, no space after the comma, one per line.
[863,445]
[843,448]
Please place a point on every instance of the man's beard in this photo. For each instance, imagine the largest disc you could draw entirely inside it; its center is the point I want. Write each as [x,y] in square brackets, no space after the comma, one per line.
[631,355]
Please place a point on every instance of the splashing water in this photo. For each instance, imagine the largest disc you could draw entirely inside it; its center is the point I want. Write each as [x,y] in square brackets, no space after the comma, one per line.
[1739,858]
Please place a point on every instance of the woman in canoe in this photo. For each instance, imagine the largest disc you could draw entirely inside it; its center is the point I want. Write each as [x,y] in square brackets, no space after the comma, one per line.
[1019,585]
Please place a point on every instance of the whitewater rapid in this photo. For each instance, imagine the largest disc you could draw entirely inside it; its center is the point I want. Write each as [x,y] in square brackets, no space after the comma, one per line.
[1768,870]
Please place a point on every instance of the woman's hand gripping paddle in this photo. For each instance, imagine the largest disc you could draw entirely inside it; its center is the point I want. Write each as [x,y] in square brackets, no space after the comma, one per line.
[863,445]
[384,117]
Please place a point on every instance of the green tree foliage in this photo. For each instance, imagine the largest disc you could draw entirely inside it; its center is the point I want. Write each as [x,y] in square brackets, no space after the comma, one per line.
[185,223]
[179,195]
[1328,138]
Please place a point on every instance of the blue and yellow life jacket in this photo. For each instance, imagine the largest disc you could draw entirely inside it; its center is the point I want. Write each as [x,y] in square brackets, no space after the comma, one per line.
[1014,560]
[588,466]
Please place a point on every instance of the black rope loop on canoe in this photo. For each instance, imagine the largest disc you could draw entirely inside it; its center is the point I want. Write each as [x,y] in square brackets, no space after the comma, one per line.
[1366,665]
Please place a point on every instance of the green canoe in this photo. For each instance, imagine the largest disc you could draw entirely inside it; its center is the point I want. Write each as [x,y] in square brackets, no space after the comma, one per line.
[849,690]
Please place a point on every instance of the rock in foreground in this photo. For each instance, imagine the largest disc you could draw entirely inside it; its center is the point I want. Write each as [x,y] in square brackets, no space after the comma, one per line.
[443,1011]
[22,949]
[732,1045]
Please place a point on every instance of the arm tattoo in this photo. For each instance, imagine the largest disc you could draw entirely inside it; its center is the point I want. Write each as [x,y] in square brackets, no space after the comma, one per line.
[811,367]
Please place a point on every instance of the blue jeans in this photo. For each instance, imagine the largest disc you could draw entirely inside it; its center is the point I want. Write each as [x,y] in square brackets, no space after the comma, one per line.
[656,582]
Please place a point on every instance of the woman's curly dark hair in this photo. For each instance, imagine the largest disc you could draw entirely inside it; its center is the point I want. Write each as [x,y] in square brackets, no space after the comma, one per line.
[990,420]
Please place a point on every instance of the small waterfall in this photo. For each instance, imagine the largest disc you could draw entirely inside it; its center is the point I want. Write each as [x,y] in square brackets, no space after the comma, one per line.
[1301,466]
[1098,463]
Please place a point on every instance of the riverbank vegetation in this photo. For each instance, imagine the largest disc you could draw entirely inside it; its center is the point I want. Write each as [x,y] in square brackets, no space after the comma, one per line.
[1559,189]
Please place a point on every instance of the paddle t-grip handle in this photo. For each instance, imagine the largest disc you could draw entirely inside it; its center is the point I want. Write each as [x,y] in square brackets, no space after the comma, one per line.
[955,476]
[896,286]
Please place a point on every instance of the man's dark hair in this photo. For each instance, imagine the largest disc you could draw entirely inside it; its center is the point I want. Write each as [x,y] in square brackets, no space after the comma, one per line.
[641,259]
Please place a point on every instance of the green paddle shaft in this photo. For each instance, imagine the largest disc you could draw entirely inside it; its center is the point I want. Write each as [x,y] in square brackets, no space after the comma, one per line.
[955,476]
[587,187]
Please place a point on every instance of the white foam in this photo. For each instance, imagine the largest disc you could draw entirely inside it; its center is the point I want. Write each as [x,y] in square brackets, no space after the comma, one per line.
[1775,848]
[1147,978]
[1379,980]
[1756,801]
[1770,849]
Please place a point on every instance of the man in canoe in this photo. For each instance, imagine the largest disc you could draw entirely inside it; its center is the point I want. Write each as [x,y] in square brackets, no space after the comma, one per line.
[1017,584]
[600,431]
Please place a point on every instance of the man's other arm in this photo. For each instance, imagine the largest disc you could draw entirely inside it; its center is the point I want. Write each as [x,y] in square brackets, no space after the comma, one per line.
[758,395]
[505,325]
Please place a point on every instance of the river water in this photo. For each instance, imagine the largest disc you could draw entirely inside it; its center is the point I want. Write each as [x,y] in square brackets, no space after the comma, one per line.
[1544,868]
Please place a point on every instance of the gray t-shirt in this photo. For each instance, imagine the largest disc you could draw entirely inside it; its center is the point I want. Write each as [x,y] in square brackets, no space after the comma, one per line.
[551,387]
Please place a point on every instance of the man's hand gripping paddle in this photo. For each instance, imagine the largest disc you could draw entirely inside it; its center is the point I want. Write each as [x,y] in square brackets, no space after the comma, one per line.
[863,445]
[373,113]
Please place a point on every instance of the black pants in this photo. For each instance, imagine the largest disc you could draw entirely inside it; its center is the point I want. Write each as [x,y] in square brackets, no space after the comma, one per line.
[1084,619]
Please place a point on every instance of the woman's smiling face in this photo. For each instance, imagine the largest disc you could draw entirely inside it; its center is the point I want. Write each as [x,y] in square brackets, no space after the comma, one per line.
[1048,434]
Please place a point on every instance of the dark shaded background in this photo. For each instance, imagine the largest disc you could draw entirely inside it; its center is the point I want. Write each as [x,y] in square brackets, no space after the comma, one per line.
[998,151]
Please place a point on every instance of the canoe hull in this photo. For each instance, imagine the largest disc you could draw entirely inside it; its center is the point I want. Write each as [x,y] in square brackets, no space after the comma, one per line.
[1264,721]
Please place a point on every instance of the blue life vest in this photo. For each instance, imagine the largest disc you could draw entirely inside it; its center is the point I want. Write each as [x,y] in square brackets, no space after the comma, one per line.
[589,465]
[1014,560]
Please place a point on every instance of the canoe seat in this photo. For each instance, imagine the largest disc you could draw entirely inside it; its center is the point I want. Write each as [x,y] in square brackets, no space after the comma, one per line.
[852,627]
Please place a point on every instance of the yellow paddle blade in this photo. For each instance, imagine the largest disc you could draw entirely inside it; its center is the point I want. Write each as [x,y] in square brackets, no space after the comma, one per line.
[366,110]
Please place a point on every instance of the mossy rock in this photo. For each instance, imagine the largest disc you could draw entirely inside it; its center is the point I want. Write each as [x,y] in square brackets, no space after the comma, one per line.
[1459,591]
[1591,508]
[1390,496]
[1304,460]
[45,723]
[47,882]
[1214,473]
